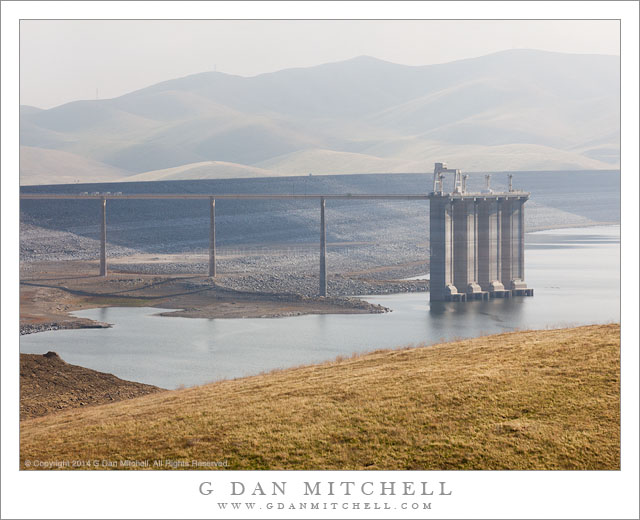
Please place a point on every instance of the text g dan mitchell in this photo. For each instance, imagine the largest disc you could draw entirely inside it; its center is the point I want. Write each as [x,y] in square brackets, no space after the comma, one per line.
[319,488]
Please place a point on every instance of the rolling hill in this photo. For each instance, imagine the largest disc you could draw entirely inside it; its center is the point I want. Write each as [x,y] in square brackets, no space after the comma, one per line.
[518,109]
[44,166]
[201,170]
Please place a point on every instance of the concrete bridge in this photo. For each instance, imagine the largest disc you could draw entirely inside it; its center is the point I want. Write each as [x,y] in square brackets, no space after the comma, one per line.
[476,239]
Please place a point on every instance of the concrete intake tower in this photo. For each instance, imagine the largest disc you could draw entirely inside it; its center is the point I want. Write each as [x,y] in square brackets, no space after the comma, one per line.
[477,240]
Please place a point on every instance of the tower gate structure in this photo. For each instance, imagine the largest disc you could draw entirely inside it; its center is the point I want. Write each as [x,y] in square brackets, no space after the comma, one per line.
[477,240]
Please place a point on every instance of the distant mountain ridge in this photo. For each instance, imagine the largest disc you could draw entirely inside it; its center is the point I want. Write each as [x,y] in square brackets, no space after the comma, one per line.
[518,109]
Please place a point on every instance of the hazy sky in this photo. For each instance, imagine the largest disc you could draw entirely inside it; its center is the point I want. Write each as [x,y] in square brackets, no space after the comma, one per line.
[67,60]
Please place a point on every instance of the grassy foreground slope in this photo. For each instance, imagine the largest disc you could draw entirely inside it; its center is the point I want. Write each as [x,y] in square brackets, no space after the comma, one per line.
[524,400]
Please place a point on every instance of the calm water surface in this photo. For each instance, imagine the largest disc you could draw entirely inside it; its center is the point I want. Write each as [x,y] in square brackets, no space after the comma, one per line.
[575,274]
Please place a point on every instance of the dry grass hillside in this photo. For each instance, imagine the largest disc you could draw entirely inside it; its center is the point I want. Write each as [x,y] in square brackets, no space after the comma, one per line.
[523,400]
[43,166]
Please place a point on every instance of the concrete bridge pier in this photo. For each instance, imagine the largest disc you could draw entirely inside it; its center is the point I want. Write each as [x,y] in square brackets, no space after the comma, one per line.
[442,250]
[487,244]
[507,239]
[465,240]
[212,237]
[521,240]
[103,237]
[490,246]
[323,250]
[513,248]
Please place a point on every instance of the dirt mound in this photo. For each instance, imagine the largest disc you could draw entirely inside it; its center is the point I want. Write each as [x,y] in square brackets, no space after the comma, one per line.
[48,384]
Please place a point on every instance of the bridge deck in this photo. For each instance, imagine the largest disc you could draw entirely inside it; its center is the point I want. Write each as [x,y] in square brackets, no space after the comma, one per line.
[267,196]
[222,196]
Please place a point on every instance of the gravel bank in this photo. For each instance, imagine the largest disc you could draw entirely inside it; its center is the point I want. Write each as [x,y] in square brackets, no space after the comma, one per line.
[32,328]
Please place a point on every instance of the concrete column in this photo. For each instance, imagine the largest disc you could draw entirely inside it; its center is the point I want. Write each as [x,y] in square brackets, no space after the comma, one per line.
[459,234]
[103,237]
[507,240]
[464,244]
[515,239]
[499,205]
[212,237]
[487,248]
[441,247]
[449,244]
[323,250]
[476,273]
[521,240]
[489,243]
[437,266]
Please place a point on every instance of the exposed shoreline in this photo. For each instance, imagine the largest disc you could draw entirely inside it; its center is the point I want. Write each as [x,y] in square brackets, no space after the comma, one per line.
[268,283]
[53,290]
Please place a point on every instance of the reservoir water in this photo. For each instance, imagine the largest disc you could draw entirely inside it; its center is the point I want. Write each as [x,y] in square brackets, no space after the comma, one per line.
[575,274]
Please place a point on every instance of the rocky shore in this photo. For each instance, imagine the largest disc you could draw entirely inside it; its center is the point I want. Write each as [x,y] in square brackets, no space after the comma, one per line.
[354,269]
[287,282]
[39,244]
[32,328]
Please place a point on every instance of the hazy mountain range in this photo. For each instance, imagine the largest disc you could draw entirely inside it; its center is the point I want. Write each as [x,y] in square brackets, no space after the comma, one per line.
[513,110]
